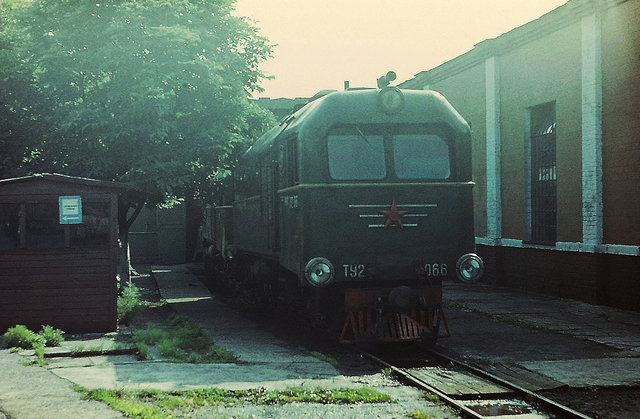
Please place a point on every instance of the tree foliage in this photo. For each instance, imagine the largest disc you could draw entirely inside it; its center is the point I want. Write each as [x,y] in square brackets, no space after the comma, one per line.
[147,92]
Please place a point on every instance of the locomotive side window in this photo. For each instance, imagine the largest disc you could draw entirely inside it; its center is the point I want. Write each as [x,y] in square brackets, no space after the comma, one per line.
[292,177]
[421,156]
[356,157]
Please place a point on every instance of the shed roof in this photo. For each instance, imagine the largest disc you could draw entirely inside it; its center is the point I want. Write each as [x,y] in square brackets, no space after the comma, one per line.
[73,180]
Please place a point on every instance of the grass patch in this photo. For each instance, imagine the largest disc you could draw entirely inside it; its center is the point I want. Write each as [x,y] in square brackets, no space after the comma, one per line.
[419,415]
[162,404]
[432,397]
[183,341]
[330,360]
[81,349]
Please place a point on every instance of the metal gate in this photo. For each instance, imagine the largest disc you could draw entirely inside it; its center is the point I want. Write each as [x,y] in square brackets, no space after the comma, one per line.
[158,236]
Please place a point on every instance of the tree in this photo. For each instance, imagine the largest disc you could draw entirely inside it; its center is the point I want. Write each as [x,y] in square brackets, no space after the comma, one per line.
[146,92]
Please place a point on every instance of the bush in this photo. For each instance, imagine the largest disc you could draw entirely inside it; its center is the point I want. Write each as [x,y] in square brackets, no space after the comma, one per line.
[128,303]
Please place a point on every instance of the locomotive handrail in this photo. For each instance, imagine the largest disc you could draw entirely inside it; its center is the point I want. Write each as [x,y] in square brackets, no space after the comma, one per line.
[367,184]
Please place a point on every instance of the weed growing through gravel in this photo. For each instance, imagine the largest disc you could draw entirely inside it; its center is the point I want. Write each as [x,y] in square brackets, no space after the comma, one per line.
[183,341]
[128,303]
[434,398]
[161,404]
[419,415]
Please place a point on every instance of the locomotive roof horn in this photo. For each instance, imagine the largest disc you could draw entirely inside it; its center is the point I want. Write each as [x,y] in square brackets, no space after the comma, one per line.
[384,81]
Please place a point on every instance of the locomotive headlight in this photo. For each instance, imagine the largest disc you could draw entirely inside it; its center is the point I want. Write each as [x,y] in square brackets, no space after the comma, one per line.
[319,272]
[391,99]
[469,267]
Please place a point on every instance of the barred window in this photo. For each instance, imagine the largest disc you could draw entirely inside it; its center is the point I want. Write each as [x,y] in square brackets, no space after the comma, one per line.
[543,174]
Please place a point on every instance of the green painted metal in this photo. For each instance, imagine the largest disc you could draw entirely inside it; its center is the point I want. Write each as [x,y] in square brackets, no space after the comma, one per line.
[287,208]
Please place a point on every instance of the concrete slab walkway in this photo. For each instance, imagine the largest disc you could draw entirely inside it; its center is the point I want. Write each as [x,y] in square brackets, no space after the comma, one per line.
[562,341]
[265,360]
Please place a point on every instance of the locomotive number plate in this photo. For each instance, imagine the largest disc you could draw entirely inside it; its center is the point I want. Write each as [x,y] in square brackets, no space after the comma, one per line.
[353,271]
[436,269]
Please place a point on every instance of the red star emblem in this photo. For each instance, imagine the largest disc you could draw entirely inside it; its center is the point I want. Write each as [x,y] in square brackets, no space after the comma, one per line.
[393,216]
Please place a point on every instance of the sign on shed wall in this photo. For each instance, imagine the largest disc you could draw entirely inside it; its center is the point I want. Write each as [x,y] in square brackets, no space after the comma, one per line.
[70,209]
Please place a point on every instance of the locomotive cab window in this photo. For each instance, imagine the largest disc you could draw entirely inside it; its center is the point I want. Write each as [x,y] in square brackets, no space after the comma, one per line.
[371,152]
[354,155]
[421,156]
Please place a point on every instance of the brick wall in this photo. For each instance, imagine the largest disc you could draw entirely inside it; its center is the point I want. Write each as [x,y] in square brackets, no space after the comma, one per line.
[621,123]
[544,70]
[591,277]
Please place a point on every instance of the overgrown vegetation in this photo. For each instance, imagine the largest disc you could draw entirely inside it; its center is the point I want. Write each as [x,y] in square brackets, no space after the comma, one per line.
[161,404]
[183,341]
[128,303]
[20,336]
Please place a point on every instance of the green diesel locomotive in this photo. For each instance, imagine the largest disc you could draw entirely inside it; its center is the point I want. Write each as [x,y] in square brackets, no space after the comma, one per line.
[358,205]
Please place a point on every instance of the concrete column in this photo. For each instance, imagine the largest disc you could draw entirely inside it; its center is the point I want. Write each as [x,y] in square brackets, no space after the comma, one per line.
[494,195]
[592,218]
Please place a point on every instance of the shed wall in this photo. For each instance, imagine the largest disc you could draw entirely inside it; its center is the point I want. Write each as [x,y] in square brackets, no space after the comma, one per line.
[70,288]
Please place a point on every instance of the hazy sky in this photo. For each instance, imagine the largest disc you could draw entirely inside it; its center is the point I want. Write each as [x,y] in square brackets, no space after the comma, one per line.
[322,43]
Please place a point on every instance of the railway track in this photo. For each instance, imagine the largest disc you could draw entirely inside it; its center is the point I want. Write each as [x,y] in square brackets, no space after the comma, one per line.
[476,393]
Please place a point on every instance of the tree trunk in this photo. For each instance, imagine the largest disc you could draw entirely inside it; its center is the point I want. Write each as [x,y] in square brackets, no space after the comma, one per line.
[124,261]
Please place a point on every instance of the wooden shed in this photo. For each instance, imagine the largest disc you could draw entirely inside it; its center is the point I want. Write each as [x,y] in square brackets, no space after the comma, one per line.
[59,252]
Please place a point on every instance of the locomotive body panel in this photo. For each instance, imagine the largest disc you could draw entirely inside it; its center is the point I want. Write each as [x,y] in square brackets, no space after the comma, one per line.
[349,227]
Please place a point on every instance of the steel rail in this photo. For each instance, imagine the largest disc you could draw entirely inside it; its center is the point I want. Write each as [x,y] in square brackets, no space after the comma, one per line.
[426,386]
[552,406]
[555,407]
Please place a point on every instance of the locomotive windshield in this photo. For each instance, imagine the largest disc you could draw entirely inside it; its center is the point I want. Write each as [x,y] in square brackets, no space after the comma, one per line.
[420,156]
[356,156]
[357,153]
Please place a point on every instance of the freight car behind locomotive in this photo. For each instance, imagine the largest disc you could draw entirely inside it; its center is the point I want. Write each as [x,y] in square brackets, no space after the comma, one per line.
[359,205]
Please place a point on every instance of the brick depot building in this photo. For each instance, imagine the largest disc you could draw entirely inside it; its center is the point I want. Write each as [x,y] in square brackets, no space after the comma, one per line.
[554,107]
